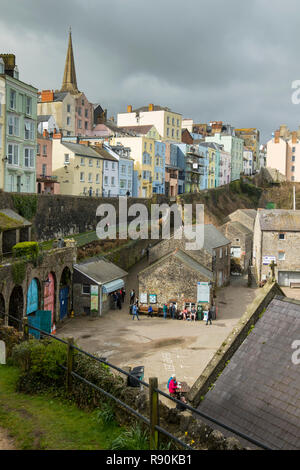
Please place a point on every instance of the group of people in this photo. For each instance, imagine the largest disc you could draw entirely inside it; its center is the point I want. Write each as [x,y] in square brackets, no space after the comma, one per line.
[118,297]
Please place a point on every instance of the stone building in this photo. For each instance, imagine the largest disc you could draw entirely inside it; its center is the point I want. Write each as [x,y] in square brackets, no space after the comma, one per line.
[277,238]
[214,255]
[173,278]
[241,242]
[13,229]
[245,217]
[93,283]
[45,284]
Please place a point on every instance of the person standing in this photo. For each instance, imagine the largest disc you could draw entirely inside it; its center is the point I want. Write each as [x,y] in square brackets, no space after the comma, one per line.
[193,313]
[150,311]
[148,253]
[209,316]
[135,312]
[123,292]
[119,301]
[165,310]
[132,296]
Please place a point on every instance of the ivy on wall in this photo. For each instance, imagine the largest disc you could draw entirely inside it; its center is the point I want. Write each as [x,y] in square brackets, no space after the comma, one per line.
[25,205]
[19,272]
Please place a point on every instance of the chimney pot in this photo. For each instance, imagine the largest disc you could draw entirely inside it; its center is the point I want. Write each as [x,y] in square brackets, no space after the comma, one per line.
[129,108]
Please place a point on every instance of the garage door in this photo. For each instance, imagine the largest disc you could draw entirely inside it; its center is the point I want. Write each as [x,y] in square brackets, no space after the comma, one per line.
[286,277]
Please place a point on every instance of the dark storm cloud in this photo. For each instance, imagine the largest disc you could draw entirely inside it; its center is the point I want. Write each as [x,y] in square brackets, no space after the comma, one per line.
[226,60]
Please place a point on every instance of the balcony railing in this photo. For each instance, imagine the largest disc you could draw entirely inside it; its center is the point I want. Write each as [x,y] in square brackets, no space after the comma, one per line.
[46,178]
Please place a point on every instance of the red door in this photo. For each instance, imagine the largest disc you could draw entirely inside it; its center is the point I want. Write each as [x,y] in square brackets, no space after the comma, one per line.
[49,295]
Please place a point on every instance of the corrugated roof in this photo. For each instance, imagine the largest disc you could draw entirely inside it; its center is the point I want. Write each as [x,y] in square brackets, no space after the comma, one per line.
[100,270]
[258,393]
[279,220]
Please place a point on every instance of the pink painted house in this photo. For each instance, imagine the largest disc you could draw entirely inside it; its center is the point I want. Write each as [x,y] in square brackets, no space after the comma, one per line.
[46,182]
[84,115]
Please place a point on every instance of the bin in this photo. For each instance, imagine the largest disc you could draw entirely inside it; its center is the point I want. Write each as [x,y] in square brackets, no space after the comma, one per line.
[136,375]
[199,312]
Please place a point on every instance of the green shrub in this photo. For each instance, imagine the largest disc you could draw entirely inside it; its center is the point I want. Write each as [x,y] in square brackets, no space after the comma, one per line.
[38,361]
[134,439]
[106,414]
[28,249]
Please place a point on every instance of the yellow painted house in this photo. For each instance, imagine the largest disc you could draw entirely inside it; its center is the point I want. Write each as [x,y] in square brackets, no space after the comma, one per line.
[78,167]
[143,154]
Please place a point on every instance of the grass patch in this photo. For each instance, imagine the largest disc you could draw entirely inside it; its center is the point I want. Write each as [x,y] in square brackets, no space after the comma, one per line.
[43,422]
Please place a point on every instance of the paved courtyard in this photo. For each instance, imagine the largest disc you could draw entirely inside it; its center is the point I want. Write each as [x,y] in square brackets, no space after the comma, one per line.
[163,347]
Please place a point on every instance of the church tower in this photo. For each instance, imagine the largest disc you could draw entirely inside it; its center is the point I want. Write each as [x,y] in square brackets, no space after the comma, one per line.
[69,80]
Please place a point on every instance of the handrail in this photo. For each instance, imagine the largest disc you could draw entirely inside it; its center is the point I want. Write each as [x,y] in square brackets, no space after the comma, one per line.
[160,392]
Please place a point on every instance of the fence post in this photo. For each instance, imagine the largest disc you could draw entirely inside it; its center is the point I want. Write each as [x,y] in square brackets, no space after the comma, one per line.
[70,356]
[25,329]
[154,413]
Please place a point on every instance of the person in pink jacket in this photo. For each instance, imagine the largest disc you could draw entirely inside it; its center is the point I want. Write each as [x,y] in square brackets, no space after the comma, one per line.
[173,388]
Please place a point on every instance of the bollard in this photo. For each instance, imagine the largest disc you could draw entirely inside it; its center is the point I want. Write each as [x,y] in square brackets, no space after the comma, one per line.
[154,413]
[70,357]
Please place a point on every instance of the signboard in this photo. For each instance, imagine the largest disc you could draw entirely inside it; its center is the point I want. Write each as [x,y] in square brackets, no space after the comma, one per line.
[94,299]
[268,259]
[152,298]
[143,298]
[203,292]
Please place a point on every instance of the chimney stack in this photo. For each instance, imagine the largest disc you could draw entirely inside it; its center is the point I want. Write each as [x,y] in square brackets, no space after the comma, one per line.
[129,108]
[276,138]
[151,107]
[47,96]
[294,137]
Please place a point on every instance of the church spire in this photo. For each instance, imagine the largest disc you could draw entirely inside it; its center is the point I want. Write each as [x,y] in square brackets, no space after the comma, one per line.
[69,80]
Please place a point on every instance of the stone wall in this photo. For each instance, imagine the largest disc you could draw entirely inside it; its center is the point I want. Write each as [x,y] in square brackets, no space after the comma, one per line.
[60,215]
[170,280]
[232,342]
[53,261]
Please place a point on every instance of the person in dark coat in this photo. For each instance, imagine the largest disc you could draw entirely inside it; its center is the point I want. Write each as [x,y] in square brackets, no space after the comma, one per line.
[119,301]
[209,316]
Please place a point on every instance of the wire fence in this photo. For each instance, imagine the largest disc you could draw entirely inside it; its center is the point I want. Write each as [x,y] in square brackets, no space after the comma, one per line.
[154,392]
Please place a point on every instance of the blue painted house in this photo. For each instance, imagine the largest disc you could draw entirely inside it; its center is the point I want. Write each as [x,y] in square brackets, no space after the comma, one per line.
[158,183]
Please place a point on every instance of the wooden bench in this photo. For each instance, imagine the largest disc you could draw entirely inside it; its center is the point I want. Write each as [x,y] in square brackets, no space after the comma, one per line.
[143,310]
[294,284]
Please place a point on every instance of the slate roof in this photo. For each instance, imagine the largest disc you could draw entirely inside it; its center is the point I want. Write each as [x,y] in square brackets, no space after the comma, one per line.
[279,220]
[213,238]
[238,227]
[11,220]
[184,258]
[240,214]
[100,270]
[258,393]
[81,149]
[137,129]
[156,107]
[104,153]
[43,117]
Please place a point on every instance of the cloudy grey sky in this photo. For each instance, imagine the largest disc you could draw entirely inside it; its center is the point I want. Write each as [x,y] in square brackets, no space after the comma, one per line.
[224,60]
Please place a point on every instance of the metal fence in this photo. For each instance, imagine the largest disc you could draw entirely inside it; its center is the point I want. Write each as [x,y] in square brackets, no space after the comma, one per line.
[152,386]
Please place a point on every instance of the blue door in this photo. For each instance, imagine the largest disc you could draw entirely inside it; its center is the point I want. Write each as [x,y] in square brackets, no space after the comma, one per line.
[63,301]
[41,320]
[32,297]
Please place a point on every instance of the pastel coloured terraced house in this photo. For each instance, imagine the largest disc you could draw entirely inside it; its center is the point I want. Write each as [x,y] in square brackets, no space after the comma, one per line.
[233,145]
[167,122]
[78,168]
[143,154]
[18,129]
